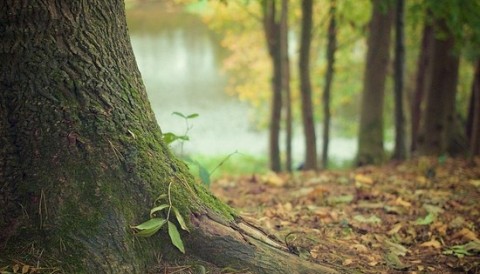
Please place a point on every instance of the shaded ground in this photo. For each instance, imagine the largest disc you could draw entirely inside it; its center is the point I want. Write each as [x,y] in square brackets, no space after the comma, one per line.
[418,217]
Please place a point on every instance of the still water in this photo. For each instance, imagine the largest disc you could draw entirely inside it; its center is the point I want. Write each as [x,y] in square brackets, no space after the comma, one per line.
[180,62]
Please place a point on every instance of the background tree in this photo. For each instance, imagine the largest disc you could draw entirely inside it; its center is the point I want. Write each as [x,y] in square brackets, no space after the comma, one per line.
[423,66]
[271,26]
[305,87]
[370,139]
[286,84]
[82,157]
[439,114]
[400,150]
[473,121]
[331,48]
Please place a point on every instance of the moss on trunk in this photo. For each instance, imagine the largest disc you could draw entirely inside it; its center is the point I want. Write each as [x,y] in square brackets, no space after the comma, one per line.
[82,157]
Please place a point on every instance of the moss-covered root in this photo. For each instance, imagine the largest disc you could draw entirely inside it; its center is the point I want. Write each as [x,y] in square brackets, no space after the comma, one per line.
[241,246]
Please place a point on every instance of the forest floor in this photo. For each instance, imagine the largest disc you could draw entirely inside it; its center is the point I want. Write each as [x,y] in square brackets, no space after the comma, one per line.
[421,216]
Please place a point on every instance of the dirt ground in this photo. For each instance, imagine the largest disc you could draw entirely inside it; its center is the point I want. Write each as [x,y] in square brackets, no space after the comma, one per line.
[422,216]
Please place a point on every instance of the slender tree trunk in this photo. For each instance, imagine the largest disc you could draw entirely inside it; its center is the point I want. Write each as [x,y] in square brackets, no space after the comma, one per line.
[473,122]
[370,140]
[400,150]
[305,87]
[272,35]
[331,48]
[286,83]
[82,157]
[423,66]
[437,126]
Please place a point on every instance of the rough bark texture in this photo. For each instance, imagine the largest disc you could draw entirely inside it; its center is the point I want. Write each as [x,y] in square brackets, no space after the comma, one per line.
[370,140]
[473,122]
[400,150]
[272,34]
[438,118]
[305,87]
[82,157]
[423,66]
[331,48]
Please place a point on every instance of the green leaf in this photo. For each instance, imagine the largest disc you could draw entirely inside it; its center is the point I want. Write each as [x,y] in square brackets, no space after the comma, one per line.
[150,227]
[169,137]
[179,114]
[193,115]
[158,208]
[204,174]
[427,220]
[161,197]
[180,219]
[175,237]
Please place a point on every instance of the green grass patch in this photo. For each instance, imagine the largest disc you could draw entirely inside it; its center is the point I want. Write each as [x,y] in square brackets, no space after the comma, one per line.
[223,165]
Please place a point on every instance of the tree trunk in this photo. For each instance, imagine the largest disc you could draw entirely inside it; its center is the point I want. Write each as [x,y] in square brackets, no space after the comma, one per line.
[305,87]
[423,66]
[400,150]
[272,34]
[370,140]
[473,122]
[331,48]
[286,84]
[82,157]
[437,126]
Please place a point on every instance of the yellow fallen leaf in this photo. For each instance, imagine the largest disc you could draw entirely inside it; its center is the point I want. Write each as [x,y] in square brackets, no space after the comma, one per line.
[273,179]
[466,234]
[432,243]
[347,262]
[362,179]
[395,229]
[401,202]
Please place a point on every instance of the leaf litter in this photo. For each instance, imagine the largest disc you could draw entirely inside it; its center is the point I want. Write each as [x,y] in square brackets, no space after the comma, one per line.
[420,216]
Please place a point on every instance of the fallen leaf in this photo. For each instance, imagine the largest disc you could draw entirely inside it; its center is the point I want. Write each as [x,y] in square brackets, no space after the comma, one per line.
[432,243]
[426,220]
[370,220]
[362,179]
[347,262]
[394,262]
[401,202]
[467,234]
[395,229]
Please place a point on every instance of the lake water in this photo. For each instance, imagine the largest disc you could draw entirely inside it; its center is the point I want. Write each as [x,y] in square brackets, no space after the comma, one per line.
[180,61]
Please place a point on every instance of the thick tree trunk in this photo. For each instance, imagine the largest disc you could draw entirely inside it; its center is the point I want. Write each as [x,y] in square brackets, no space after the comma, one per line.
[473,122]
[438,118]
[82,157]
[272,34]
[400,150]
[423,66]
[331,48]
[286,84]
[306,89]
[370,140]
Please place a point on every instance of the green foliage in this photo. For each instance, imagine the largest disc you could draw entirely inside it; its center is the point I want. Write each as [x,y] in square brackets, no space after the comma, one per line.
[159,216]
[469,249]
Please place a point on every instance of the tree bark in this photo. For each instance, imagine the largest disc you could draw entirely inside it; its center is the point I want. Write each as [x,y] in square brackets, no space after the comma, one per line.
[423,66]
[331,48]
[306,89]
[370,140]
[400,150]
[271,27]
[286,84]
[438,118]
[82,157]
[473,122]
